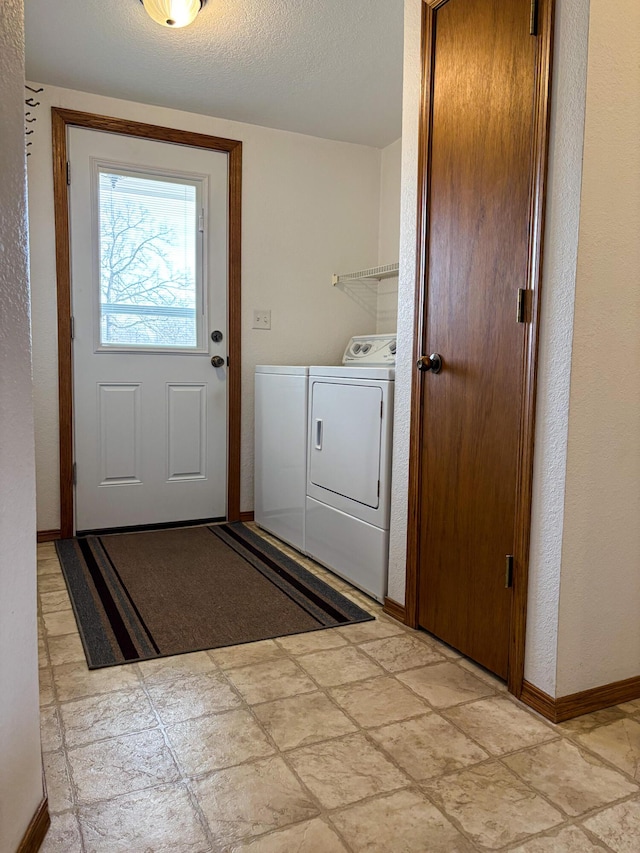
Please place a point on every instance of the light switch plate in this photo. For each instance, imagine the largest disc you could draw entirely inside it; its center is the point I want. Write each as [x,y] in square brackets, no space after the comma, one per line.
[261,318]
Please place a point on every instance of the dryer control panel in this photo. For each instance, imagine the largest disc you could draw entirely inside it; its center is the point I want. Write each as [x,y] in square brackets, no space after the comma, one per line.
[371,350]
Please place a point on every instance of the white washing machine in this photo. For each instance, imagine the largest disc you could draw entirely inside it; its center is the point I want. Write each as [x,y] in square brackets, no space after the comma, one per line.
[281,451]
[350,424]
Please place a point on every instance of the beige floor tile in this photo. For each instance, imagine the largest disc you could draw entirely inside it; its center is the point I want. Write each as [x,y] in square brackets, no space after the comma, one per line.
[49,565]
[51,602]
[340,772]
[51,583]
[43,659]
[492,805]
[58,786]
[619,826]
[445,684]
[47,696]
[573,780]
[50,734]
[619,743]
[401,652]
[581,725]
[499,725]
[231,657]
[378,701]
[567,840]
[312,836]
[121,765]
[632,707]
[222,740]
[60,622]
[63,835]
[159,670]
[484,675]
[447,651]
[404,822]
[273,679]
[160,820]
[66,648]
[252,799]
[314,641]
[45,549]
[76,680]
[377,629]
[107,715]
[193,696]
[339,666]
[299,720]
[428,747]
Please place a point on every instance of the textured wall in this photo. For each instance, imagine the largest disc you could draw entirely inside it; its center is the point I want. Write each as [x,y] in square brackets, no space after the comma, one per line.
[310,208]
[406,294]
[389,234]
[556,330]
[20,765]
[599,624]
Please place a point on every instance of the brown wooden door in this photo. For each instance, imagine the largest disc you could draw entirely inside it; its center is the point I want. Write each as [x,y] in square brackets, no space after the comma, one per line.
[477,244]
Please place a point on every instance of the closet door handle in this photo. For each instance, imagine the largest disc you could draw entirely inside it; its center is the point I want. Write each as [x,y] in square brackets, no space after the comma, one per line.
[318,434]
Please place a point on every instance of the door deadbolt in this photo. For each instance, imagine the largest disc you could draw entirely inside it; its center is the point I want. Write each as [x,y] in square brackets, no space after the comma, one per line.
[216,336]
[431,362]
[217,360]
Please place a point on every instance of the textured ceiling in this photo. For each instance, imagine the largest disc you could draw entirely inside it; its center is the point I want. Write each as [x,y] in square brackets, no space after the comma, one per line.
[330,68]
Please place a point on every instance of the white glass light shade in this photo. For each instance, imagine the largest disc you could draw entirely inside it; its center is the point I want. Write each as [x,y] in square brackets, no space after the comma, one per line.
[173,13]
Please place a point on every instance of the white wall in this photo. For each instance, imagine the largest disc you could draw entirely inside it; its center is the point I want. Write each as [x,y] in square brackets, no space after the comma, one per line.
[389,234]
[310,208]
[599,622]
[20,765]
[406,293]
[556,333]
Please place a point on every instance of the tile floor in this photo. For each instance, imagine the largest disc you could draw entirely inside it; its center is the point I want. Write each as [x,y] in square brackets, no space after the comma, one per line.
[368,738]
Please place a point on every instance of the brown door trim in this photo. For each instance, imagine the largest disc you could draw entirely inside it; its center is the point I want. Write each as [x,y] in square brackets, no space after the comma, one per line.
[540,143]
[61,119]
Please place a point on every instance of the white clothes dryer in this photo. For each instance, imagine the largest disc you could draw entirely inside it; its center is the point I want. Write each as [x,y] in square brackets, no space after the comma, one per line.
[350,426]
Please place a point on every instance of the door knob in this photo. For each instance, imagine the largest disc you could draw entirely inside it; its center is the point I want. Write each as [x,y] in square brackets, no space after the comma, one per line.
[217,361]
[431,362]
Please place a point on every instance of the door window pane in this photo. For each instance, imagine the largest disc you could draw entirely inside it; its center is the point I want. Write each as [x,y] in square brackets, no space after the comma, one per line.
[149,261]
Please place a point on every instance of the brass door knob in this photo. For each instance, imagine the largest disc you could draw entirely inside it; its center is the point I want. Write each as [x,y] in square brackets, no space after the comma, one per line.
[217,361]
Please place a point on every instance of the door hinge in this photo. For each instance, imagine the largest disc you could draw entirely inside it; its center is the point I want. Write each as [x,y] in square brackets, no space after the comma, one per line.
[508,575]
[68,173]
[201,222]
[533,18]
[74,475]
[72,327]
[522,305]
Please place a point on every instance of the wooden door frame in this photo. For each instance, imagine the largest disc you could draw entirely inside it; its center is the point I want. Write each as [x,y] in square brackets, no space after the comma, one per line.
[61,119]
[540,144]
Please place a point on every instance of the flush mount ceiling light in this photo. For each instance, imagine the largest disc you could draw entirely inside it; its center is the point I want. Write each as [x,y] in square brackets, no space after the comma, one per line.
[173,13]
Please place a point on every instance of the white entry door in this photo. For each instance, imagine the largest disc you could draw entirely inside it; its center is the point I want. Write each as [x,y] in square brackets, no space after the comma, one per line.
[149,287]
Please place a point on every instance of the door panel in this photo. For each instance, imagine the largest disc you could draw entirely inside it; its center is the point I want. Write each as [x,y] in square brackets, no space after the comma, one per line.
[345,440]
[150,411]
[477,250]
[187,432]
[119,444]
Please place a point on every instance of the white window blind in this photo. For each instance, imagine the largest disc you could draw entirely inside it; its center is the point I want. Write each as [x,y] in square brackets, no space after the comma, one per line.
[150,272]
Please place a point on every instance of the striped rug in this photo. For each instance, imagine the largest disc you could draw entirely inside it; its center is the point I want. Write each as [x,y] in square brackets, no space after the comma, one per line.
[138,596]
